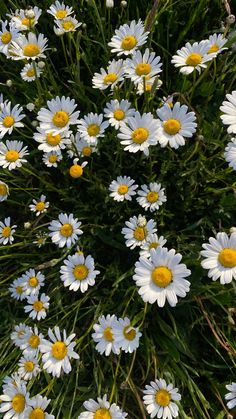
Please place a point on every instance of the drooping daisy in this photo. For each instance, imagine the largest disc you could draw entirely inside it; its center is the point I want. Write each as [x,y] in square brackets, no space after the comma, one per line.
[148,85]
[20,333]
[60,10]
[123,188]
[58,352]
[82,146]
[161,277]
[137,230]
[217,42]
[10,118]
[128,38]
[220,257]
[7,35]
[17,289]
[29,72]
[101,409]
[229,154]
[4,191]
[14,401]
[193,57]
[141,66]
[127,336]
[229,112]
[7,231]
[12,153]
[118,112]
[12,379]
[152,242]
[37,306]
[139,133]
[49,141]
[52,158]
[65,230]
[151,196]
[28,367]
[78,272]
[31,341]
[104,335]
[175,124]
[160,399]
[36,408]
[39,206]
[231,397]
[28,47]
[68,24]
[26,19]
[76,170]
[109,77]
[92,127]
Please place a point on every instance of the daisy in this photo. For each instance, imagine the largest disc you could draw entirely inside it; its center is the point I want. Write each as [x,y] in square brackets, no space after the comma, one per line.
[10,118]
[12,380]
[220,257]
[25,20]
[137,230]
[231,397]
[216,43]
[92,127]
[52,158]
[31,341]
[7,35]
[118,112]
[28,367]
[109,77]
[128,38]
[76,170]
[148,85]
[151,196]
[229,154]
[50,141]
[140,133]
[126,336]
[229,112]
[39,206]
[36,408]
[37,306]
[175,124]
[82,146]
[122,188]
[101,409]
[59,10]
[78,272]
[41,239]
[161,277]
[14,401]
[141,66]
[160,399]
[28,47]
[59,115]
[65,230]
[68,24]
[32,282]
[4,191]
[7,231]
[30,72]
[104,335]
[58,352]
[17,289]
[193,57]
[152,242]
[12,153]
[20,333]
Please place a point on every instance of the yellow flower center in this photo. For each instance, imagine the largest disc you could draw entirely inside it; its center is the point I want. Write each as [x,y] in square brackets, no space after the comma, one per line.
[93,130]
[19,290]
[214,48]
[40,206]
[66,230]
[8,121]
[119,114]
[59,350]
[12,155]
[161,276]
[143,69]
[18,403]
[60,119]
[34,341]
[110,78]
[6,37]
[140,135]
[33,281]
[80,272]
[123,189]
[38,306]
[227,258]
[129,333]
[61,13]
[152,196]
[102,414]
[30,72]
[194,59]
[108,335]
[139,233]
[163,398]
[76,171]
[153,245]
[172,126]
[31,50]
[53,139]
[68,25]
[87,151]
[3,189]
[52,158]
[37,414]
[29,366]
[6,231]
[129,42]
[27,22]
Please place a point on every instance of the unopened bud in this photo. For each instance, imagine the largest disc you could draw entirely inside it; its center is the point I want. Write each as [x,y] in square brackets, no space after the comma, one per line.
[30,14]
[109,3]
[200,137]
[9,83]
[232,230]
[35,123]
[41,64]
[27,225]
[30,106]
[230,19]
[123,3]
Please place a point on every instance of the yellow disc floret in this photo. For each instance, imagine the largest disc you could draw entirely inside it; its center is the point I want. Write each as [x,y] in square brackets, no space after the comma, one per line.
[227,258]
[139,233]
[143,69]
[60,119]
[6,37]
[102,414]
[29,366]
[152,197]
[8,121]
[129,333]
[172,126]
[38,306]
[31,50]
[59,350]
[18,403]
[76,170]
[6,231]
[34,341]
[12,155]
[40,206]
[53,139]
[93,130]
[33,281]
[194,59]
[123,189]
[87,151]
[119,114]
[129,42]
[30,72]
[108,335]
[140,135]
[214,48]
[161,276]
[163,398]
[3,189]
[66,230]
[61,13]
[68,25]
[80,272]
[110,78]
[19,290]
[37,413]
[52,158]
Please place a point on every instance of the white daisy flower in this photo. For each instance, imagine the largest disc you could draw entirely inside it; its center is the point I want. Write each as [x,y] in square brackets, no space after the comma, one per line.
[104,335]
[14,401]
[76,170]
[58,352]
[92,127]
[59,10]
[160,399]
[68,24]
[12,153]
[59,116]
[152,242]
[20,333]
[137,230]
[81,146]
[126,336]
[65,230]
[28,367]
[49,141]
[4,191]
[10,118]
[22,20]
[231,397]
[32,282]
[128,38]
[31,341]
[229,154]
[7,231]
[148,85]
[37,306]
[220,257]
[101,409]
[175,124]
[78,272]
[217,43]
[7,35]
[109,77]
[193,57]
[229,112]
[161,277]
[122,188]
[118,112]
[12,380]
[36,408]
[141,66]
[39,206]
[151,196]
[17,289]
[28,47]
[52,158]
[140,133]
[41,239]
[30,71]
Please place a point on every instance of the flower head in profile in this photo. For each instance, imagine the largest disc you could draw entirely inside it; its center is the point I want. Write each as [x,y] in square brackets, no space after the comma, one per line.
[65,230]
[160,399]
[25,20]
[216,43]
[67,24]
[128,38]
[4,191]
[193,57]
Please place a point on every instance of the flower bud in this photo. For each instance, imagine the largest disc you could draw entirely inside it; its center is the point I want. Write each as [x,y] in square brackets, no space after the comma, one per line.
[230,19]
